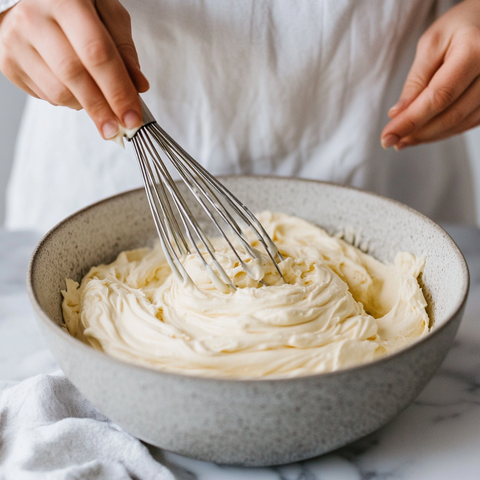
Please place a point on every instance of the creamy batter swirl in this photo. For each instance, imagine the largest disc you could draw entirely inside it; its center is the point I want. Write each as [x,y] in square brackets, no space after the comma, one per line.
[339,307]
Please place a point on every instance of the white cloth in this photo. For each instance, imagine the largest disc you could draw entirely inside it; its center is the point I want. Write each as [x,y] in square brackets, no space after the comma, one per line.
[50,432]
[297,88]
[6,4]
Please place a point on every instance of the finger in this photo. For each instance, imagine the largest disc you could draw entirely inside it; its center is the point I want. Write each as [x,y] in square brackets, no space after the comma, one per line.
[138,78]
[455,119]
[63,61]
[10,43]
[15,75]
[472,121]
[46,84]
[417,139]
[28,25]
[16,59]
[117,21]
[17,80]
[428,59]
[27,90]
[446,86]
[96,50]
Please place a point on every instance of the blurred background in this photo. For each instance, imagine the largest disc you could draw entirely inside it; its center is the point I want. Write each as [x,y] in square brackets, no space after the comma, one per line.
[12,101]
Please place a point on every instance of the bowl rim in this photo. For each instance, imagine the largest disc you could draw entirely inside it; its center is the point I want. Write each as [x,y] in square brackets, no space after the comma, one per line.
[75,343]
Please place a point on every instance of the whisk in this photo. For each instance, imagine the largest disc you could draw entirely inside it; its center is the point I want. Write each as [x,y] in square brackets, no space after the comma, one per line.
[152,145]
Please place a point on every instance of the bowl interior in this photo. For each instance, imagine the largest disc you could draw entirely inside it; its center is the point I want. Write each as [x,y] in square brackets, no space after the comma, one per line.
[99,232]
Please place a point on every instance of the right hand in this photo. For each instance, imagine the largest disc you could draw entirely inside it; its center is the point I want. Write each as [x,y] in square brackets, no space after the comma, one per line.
[76,53]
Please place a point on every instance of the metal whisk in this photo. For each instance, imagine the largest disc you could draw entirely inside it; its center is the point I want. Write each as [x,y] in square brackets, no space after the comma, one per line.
[152,144]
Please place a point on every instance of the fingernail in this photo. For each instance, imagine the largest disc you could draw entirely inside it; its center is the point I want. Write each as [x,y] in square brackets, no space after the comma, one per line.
[393,111]
[132,119]
[400,146]
[389,140]
[110,129]
[393,108]
[397,108]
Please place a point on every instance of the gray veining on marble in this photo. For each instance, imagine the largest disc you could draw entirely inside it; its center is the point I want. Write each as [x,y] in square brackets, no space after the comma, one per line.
[438,437]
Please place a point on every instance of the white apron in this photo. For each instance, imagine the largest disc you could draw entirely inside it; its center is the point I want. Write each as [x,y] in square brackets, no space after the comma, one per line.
[297,88]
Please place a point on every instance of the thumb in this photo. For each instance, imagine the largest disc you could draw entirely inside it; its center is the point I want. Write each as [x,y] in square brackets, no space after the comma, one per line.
[117,21]
[428,58]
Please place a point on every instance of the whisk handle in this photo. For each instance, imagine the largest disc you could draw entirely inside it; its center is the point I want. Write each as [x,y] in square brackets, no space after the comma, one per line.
[147,116]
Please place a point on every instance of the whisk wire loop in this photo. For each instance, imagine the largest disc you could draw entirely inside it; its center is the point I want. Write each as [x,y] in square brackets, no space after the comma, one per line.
[164,178]
[239,207]
[156,208]
[213,198]
[195,188]
[161,170]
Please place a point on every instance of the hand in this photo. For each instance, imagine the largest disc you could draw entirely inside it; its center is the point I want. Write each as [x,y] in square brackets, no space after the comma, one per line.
[441,96]
[77,53]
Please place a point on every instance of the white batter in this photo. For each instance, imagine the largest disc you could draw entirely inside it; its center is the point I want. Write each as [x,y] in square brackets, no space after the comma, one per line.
[339,307]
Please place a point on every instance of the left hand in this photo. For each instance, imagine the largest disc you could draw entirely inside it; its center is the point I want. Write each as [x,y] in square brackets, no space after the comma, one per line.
[441,96]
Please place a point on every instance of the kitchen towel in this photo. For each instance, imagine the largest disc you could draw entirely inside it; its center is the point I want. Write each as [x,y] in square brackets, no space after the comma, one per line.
[48,431]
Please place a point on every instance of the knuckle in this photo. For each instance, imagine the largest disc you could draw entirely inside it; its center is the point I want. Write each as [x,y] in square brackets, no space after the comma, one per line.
[11,28]
[411,124]
[20,16]
[62,96]
[6,36]
[59,7]
[128,52]
[69,68]
[453,119]
[127,48]
[467,49]
[429,41]
[120,99]
[414,83]
[441,97]
[408,124]
[97,53]
[26,19]
[98,110]
[469,34]
[9,45]
[121,13]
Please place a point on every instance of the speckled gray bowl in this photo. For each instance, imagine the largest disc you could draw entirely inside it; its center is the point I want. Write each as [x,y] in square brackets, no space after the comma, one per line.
[256,422]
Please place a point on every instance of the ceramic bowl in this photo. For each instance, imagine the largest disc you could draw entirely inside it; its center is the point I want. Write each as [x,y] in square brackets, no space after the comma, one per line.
[252,422]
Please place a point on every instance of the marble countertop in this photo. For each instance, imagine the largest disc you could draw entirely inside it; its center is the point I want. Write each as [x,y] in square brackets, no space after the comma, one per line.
[437,437]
